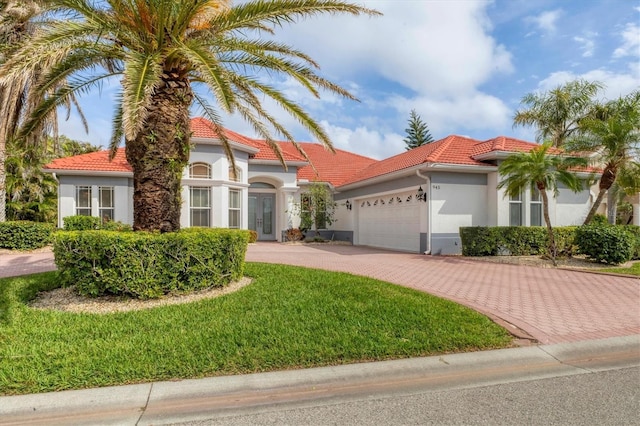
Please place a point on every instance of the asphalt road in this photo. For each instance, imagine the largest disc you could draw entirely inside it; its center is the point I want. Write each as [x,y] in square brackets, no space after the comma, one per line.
[600,398]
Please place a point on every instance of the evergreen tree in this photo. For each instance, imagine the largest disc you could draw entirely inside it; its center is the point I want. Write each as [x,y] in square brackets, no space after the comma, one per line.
[417,133]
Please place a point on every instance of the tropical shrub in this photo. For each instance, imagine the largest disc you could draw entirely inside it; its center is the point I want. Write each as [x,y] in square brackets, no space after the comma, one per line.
[253,236]
[92,223]
[522,240]
[605,243]
[515,240]
[80,223]
[634,230]
[24,235]
[149,265]
[479,241]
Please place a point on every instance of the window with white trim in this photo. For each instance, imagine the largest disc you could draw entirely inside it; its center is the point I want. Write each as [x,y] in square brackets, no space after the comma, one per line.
[200,171]
[515,210]
[535,207]
[106,207]
[83,200]
[234,208]
[200,206]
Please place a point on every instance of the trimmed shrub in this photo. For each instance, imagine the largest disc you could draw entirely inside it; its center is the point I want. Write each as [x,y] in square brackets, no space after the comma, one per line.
[115,226]
[149,265]
[522,240]
[92,223]
[634,230]
[605,243]
[515,240]
[24,235]
[80,223]
[479,241]
[565,240]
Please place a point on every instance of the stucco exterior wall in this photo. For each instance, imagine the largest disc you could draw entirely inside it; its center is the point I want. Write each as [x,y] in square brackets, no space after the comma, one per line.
[122,193]
[456,200]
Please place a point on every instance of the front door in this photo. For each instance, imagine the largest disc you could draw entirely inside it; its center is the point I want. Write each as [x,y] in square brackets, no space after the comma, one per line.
[262,215]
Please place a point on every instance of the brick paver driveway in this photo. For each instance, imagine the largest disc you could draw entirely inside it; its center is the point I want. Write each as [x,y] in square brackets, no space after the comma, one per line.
[551,305]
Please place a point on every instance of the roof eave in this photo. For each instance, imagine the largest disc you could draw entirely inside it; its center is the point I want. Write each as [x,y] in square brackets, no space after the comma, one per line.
[68,172]
[277,162]
[422,167]
[236,145]
[492,155]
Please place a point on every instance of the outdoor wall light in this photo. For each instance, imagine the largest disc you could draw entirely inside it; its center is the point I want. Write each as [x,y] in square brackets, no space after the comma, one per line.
[421,195]
[348,205]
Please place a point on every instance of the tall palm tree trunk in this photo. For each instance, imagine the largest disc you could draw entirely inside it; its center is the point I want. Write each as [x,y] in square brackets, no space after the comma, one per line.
[606,181]
[553,251]
[3,183]
[159,154]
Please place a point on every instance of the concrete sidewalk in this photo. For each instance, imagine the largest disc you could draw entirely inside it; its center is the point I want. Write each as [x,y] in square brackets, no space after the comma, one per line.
[192,400]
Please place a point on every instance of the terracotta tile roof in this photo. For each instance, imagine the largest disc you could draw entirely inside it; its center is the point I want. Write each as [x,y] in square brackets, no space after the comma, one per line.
[203,128]
[506,144]
[450,150]
[340,168]
[329,167]
[94,161]
[266,153]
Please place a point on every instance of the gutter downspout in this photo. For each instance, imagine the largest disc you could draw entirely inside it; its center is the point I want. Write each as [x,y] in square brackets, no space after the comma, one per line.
[428,184]
[55,177]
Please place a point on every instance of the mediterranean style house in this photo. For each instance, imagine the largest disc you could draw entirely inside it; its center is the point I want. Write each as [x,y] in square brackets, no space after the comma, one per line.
[415,201]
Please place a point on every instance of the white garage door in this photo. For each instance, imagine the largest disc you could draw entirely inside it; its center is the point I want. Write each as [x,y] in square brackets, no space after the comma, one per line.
[391,221]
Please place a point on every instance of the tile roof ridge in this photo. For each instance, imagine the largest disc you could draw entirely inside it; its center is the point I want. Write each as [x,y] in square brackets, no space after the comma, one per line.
[337,149]
[443,146]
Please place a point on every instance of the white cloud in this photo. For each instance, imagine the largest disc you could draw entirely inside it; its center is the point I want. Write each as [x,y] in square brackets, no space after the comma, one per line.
[424,46]
[370,143]
[546,21]
[617,84]
[631,42]
[587,44]
[472,112]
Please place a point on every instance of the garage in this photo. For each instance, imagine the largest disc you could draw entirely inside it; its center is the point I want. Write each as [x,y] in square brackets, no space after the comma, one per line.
[391,221]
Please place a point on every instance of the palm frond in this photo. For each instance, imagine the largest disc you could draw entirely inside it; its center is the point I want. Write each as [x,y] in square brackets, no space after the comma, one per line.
[141,77]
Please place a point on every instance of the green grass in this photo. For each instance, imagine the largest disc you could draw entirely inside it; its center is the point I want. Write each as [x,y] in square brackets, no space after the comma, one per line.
[287,318]
[633,270]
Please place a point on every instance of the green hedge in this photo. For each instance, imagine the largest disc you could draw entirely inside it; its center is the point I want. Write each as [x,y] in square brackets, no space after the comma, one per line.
[634,230]
[516,240]
[606,243]
[89,223]
[24,235]
[149,265]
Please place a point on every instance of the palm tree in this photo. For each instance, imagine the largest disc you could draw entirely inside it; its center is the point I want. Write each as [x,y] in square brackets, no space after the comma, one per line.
[162,50]
[543,170]
[18,96]
[613,131]
[557,114]
[14,26]
[31,193]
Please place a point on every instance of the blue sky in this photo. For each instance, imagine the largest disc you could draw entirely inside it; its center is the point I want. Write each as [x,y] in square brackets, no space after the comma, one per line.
[463,65]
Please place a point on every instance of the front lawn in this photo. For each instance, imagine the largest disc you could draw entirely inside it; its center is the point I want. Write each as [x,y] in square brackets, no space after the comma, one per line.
[634,269]
[289,317]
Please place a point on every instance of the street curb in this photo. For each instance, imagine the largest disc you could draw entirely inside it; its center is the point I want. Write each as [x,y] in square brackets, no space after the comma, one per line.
[184,400]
